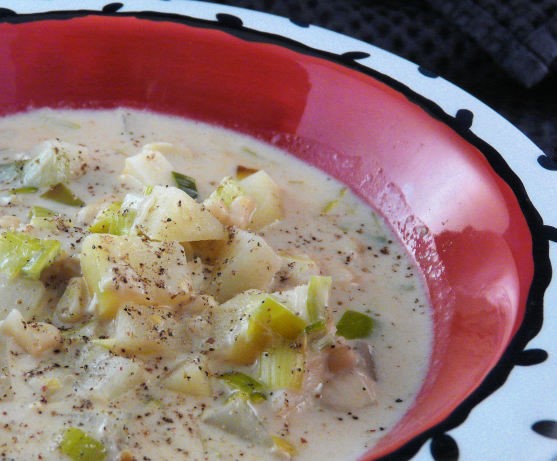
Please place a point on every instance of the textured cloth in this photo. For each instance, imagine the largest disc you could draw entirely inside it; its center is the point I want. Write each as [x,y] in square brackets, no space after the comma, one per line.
[520,35]
[424,32]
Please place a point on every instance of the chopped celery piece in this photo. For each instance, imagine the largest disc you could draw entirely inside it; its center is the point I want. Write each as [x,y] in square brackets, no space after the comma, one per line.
[24,190]
[227,191]
[315,327]
[22,254]
[333,203]
[318,297]
[80,446]
[274,316]
[354,325]
[113,220]
[284,446]
[62,194]
[186,183]
[282,368]
[247,385]
[41,212]
[11,171]
[243,171]
[148,190]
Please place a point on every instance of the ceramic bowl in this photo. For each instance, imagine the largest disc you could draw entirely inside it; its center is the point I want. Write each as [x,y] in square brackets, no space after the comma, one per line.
[450,197]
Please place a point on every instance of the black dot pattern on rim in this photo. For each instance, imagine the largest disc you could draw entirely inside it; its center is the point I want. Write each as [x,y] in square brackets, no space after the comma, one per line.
[428,73]
[531,357]
[547,428]
[355,55]
[112,7]
[550,233]
[444,448]
[547,163]
[5,12]
[464,118]
[299,22]
[230,20]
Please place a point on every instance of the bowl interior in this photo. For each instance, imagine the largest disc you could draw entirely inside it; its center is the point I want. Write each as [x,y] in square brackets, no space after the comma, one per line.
[457,217]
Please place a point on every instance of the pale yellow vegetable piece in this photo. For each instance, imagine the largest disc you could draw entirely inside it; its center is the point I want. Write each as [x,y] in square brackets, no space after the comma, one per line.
[119,376]
[349,391]
[191,377]
[236,341]
[143,330]
[25,294]
[150,167]
[128,269]
[247,262]
[54,162]
[266,193]
[297,268]
[168,213]
[33,337]
[72,306]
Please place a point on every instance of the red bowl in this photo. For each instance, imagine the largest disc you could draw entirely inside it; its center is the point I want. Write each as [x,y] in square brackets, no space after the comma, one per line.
[458,218]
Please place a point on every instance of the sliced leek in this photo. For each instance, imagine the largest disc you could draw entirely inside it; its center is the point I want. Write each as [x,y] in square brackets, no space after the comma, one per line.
[245,384]
[24,190]
[186,183]
[80,446]
[282,367]
[318,297]
[22,254]
[330,206]
[228,190]
[114,219]
[41,212]
[60,193]
[354,325]
[276,317]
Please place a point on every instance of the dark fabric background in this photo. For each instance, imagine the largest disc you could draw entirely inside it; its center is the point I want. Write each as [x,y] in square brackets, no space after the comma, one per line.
[494,49]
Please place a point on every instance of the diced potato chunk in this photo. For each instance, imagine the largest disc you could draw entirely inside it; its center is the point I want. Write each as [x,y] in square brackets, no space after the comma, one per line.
[150,167]
[266,193]
[143,330]
[247,263]
[128,269]
[55,162]
[237,417]
[250,203]
[25,294]
[349,391]
[168,213]
[190,377]
[119,375]
[297,268]
[34,337]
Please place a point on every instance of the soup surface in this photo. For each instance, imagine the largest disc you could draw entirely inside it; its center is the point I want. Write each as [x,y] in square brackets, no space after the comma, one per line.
[172,290]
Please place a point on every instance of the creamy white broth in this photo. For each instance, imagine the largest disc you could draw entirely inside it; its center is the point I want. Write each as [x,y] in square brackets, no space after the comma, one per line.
[370,273]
